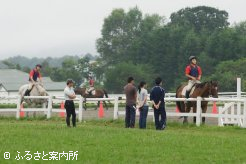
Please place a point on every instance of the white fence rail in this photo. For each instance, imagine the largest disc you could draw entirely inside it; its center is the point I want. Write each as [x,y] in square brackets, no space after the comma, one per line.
[239,116]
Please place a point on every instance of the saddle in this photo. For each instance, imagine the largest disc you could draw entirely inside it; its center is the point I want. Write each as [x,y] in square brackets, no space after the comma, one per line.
[90,92]
[188,93]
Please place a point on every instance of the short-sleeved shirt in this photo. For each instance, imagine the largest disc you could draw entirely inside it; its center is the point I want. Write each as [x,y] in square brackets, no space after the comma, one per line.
[68,92]
[91,83]
[157,94]
[141,96]
[34,75]
[194,71]
[130,91]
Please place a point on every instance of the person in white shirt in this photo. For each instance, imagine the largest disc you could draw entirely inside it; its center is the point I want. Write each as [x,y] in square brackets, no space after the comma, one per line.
[69,95]
[142,106]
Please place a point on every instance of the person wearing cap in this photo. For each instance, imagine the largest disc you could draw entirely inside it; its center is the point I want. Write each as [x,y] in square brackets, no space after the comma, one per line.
[194,73]
[131,99]
[157,95]
[69,95]
[34,78]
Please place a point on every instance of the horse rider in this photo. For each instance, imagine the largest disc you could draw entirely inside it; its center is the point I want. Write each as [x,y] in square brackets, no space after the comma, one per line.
[91,85]
[34,75]
[194,73]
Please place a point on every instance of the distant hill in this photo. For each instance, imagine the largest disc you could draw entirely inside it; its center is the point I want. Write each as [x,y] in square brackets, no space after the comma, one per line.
[3,66]
[31,62]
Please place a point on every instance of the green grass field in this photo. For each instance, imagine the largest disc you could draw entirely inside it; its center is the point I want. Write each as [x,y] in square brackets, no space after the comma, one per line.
[101,141]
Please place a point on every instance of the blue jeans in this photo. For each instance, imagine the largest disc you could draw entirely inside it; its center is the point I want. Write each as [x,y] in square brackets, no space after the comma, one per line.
[143,117]
[130,116]
[160,124]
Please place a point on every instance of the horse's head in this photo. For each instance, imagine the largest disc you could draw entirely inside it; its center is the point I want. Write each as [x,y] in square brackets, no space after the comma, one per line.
[213,89]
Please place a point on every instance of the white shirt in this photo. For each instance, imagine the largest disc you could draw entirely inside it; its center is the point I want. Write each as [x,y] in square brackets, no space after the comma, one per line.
[68,92]
[141,96]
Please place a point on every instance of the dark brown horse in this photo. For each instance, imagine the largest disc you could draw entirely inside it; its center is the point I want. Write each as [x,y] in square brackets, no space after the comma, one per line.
[99,93]
[203,90]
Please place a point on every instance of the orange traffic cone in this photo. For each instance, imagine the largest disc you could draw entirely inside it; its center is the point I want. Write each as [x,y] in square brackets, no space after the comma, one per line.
[177,109]
[62,113]
[101,111]
[214,110]
[22,113]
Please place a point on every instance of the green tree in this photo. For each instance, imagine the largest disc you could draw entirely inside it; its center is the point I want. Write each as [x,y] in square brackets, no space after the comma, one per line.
[116,77]
[84,66]
[201,17]
[226,74]
[46,69]
[68,71]
[118,33]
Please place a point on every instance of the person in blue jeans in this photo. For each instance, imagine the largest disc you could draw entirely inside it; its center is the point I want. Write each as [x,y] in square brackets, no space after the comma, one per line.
[131,100]
[142,106]
[157,97]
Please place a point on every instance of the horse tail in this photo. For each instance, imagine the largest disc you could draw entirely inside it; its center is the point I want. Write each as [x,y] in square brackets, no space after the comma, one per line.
[178,103]
[105,93]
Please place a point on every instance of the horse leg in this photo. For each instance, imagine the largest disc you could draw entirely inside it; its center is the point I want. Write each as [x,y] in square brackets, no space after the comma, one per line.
[85,107]
[98,103]
[194,111]
[104,102]
[187,110]
[204,110]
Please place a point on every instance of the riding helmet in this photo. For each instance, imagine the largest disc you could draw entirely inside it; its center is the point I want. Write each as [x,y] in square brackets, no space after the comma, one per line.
[192,57]
[39,65]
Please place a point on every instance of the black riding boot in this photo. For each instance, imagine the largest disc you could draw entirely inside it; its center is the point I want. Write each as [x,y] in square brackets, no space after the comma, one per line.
[187,94]
[27,93]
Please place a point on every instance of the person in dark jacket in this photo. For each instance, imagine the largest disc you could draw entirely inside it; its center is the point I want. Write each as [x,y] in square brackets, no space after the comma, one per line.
[157,95]
[131,98]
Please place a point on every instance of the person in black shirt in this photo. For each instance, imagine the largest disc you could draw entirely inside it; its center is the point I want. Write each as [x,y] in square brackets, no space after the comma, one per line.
[157,95]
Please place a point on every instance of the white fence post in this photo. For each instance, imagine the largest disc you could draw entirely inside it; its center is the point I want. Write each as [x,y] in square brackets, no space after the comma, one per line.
[49,107]
[116,108]
[18,103]
[238,96]
[198,111]
[220,122]
[244,114]
[80,108]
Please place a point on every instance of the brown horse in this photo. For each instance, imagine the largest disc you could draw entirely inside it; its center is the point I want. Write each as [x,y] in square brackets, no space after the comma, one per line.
[203,90]
[99,93]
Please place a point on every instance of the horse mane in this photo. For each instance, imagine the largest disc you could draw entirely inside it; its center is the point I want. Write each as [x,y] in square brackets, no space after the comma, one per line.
[201,85]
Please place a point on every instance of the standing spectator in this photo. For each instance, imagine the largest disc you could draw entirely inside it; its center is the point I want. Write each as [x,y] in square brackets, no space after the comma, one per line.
[157,97]
[69,104]
[142,104]
[131,97]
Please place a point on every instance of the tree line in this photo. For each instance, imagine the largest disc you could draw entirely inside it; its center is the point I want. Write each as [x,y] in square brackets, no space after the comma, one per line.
[147,46]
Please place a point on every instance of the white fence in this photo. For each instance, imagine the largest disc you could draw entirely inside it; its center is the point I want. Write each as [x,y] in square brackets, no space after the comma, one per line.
[238,117]
[49,109]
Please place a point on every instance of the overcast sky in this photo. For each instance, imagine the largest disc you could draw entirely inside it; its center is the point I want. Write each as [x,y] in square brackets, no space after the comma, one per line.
[41,28]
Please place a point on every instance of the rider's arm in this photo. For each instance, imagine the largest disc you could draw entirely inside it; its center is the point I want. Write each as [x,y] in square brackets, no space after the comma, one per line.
[189,76]
[31,76]
[200,73]
[40,78]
